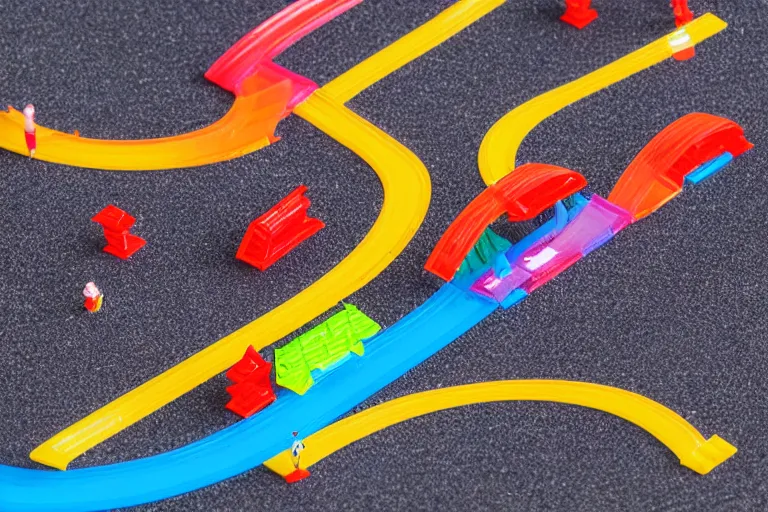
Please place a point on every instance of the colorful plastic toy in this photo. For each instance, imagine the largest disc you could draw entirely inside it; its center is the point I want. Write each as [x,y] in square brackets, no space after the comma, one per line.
[93,297]
[657,173]
[533,189]
[406,187]
[30,133]
[321,348]
[117,225]
[252,390]
[694,451]
[578,13]
[278,231]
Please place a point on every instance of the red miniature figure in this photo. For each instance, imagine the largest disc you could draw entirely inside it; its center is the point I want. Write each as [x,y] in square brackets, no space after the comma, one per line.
[93,297]
[578,13]
[277,232]
[117,225]
[299,473]
[252,390]
[30,132]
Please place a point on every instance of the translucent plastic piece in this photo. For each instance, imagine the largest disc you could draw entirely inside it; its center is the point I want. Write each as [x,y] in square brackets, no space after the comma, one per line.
[597,223]
[657,173]
[522,195]
[271,38]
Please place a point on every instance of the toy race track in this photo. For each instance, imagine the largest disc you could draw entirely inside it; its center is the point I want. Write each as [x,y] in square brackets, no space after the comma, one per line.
[488,256]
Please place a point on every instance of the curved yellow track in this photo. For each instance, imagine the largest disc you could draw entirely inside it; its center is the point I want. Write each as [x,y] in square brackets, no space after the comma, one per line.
[407,191]
[694,451]
[247,126]
[499,148]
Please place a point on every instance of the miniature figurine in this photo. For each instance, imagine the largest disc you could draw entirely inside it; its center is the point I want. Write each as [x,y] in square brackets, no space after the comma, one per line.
[296,448]
[30,135]
[93,297]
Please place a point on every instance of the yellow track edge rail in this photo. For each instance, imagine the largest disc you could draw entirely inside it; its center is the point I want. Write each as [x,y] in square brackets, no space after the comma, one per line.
[694,451]
[499,148]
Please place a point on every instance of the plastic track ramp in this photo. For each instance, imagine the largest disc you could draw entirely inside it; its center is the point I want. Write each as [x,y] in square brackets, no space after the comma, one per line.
[271,38]
[264,92]
[522,195]
[407,191]
[694,451]
[657,173]
[498,150]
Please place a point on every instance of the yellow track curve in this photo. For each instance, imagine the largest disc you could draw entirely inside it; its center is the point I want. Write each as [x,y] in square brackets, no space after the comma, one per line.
[694,451]
[407,192]
[498,150]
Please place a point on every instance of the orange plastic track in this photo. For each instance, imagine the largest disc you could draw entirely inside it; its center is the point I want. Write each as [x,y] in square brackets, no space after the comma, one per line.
[657,173]
[522,195]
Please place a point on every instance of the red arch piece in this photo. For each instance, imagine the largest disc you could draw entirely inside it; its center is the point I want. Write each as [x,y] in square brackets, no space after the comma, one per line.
[271,38]
[657,173]
[522,195]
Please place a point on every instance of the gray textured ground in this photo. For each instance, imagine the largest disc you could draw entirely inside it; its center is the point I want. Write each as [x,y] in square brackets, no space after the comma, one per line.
[674,308]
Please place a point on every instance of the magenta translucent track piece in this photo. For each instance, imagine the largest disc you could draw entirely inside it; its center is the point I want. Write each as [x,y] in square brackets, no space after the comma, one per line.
[597,223]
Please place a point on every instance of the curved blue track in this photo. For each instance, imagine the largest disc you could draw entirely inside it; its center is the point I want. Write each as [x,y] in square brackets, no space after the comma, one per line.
[444,317]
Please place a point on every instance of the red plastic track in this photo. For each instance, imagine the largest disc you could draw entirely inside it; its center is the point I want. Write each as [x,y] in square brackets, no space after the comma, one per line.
[657,173]
[272,37]
[522,194]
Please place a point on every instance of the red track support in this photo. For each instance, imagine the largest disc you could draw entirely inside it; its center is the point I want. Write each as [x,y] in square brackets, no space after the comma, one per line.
[280,230]
[117,225]
[578,13]
[252,390]
[523,194]
[657,173]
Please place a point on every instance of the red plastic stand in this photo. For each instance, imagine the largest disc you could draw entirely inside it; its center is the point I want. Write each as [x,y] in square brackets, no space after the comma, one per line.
[578,13]
[299,474]
[117,225]
[252,390]
[522,195]
[682,13]
[279,231]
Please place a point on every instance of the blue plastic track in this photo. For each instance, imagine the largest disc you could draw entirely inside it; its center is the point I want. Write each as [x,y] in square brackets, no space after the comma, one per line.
[441,319]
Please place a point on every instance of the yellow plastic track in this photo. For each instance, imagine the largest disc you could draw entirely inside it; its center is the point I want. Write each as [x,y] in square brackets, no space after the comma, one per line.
[448,23]
[407,192]
[229,137]
[695,452]
[498,150]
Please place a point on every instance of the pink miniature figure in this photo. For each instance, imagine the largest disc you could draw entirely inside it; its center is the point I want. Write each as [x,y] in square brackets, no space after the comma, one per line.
[29,129]
[93,297]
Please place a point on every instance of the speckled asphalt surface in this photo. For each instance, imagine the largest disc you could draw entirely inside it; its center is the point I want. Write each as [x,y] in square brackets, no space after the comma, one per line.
[674,308]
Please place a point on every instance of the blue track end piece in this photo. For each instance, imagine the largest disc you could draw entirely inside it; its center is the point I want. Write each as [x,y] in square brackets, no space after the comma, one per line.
[706,170]
[513,298]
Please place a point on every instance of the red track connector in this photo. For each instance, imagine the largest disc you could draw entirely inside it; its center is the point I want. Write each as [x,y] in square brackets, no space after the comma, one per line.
[522,194]
[252,390]
[657,173]
[280,230]
[578,13]
[117,225]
